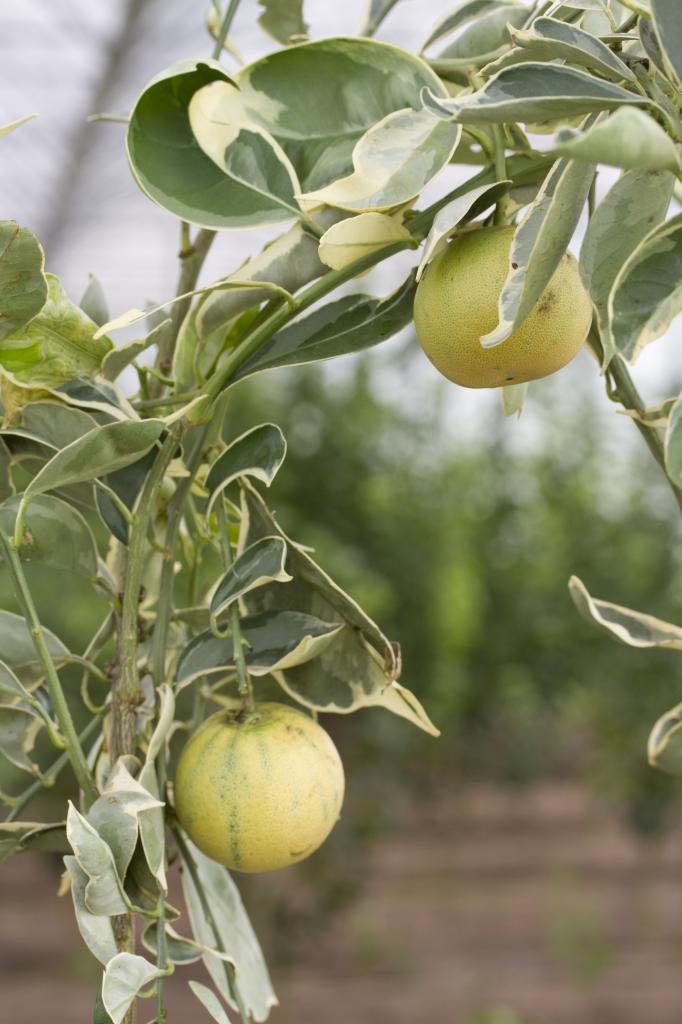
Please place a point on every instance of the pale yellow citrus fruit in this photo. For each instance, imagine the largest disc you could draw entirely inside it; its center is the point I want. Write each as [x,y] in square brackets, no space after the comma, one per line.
[259,791]
[457,303]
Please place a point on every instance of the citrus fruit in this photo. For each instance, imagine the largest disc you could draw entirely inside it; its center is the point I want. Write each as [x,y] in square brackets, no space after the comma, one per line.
[456,304]
[261,790]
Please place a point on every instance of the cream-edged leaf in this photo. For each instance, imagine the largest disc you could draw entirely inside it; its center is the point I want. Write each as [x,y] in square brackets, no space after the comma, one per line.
[124,978]
[104,889]
[236,940]
[96,930]
[459,211]
[630,627]
[647,293]
[627,138]
[392,162]
[539,243]
[349,239]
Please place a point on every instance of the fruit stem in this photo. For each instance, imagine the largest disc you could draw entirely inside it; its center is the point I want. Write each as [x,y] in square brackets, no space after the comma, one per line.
[189,862]
[54,686]
[501,215]
[238,642]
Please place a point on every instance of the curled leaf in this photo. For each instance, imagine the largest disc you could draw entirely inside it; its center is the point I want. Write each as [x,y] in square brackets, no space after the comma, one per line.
[630,627]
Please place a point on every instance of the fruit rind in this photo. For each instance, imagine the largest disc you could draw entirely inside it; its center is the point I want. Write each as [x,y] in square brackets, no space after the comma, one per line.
[259,792]
[457,304]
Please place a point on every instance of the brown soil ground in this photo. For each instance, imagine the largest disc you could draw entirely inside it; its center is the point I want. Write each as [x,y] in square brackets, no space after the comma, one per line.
[537,902]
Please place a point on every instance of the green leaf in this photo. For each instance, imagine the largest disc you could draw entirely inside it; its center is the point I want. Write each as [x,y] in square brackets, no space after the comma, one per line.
[350,324]
[638,199]
[93,302]
[290,262]
[100,1015]
[115,814]
[124,978]
[116,360]
[633,628]
[104,890]
[100,451]
[628,138]
[210,1002]
[673,443]
[539,243]
[98,395]
[261,563]
[165,158]
[274,640]
[485,38]
[392,162]
[258,453]
[534,92]
[349,239]
[57,345]
[462,14]
[7,128]
[664,748]
[10,684]
[651,45]
[6,481]
[272,100]
[647,293]
[23,285]
[55,423]
[349,674]
[18,649]
[666,15]
[96,930]
[135,315]
[459,211]
[236,936]
[282,19]
[550,39]
[18,730]
[275,94]
[127,483]
[55,534]
[23,836]
[251,159]
[258,522]
[179,950]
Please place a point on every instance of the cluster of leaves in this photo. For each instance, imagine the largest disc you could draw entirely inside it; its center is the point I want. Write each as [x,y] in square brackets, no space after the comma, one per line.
[78,454]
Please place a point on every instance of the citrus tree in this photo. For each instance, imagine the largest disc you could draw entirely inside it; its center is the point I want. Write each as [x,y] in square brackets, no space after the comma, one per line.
[333,140]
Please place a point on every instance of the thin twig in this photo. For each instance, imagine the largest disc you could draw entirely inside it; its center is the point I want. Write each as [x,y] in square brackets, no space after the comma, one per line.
[243,678]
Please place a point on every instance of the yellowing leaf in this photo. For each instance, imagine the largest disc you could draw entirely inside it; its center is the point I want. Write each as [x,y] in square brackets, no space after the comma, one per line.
[59,344]
[350,239]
